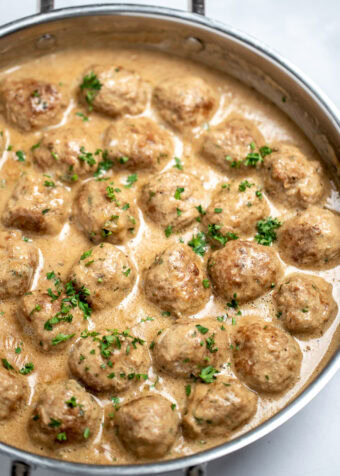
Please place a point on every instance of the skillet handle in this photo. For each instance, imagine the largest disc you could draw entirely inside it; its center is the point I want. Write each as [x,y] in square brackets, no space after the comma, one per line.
[196,6]
[199,470]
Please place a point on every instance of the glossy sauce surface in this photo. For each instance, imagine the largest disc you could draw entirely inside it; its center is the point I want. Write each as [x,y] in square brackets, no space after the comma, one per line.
[59,253]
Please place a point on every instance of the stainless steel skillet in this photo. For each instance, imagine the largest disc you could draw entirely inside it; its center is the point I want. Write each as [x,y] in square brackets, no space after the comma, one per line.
[193,36]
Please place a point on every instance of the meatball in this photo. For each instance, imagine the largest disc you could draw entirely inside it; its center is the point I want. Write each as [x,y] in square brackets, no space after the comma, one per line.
[267,358]
[218,408]
[51,317]
[12,393]
[311,238]
[290,177]
[106,272]
[229,143]
[30,104]
[174,281]
[243,270]
[64,414]
[138,144]
[18,263]
[235,210]
[114,91]
[37,204]
[172,198]
[186,347]
[147,426]
[110,360]
[184,101]
[103,212]
[65,152]
[304,303]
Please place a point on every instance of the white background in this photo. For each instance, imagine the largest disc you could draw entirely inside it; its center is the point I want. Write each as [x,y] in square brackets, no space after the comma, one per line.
[307,32]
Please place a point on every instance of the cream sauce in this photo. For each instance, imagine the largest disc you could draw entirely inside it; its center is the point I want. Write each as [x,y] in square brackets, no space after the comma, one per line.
[58,253]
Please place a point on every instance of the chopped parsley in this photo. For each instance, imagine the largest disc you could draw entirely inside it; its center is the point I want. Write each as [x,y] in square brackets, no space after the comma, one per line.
[6,364]
[49,183]
[84,118]
[218,210]
[86,255]
[206,283]
[21,155]
[86,433]
[233,303]
[266,234]
[207,374]
[244,185]
[198,243]
[104,165]
[259,195]
[27,368]
[178,164]
[187,390]
[61,338]
[90,85]
[131,179]
[179,191]
[87,157]
[168,231]
[214,232]
[202,329]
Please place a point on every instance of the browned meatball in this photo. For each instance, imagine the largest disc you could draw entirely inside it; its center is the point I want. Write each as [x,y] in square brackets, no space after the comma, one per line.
[218,408]
[172,198]
[229,143]
[18,263]
[290,177]
[114,91]
[106,272]
[110,360]
[311,238]
[138,144]
[267,358]
[105,212]
[184,101]
[147,426]
[235,210]
[174,281]
[65,152]
[30,104]
[64,414]
[51,317]
[243,270]
[304,303]
[37,204]
[186,347]
[12,393]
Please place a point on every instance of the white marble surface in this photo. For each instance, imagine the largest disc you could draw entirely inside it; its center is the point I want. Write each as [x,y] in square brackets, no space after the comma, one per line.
[307,33]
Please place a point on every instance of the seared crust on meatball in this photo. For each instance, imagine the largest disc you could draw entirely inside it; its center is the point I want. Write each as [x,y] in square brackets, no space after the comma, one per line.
[186,347]
[304,303]
[18,263]
[172,198]
[218,408]
[104,213]
[235,210]
[138,143]
[311,238]
[290,177]
[174,281]
[147,426]
[184,101]
[267,358]
[12,393]
[37,204]
[110,360]
[50,317]
[106,272]
[63,151]
[243,270]
[30,104]
[114,91]
[64,414]
[229,143]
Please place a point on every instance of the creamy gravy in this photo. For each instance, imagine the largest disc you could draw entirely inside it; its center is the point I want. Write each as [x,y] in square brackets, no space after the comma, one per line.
[58,253]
